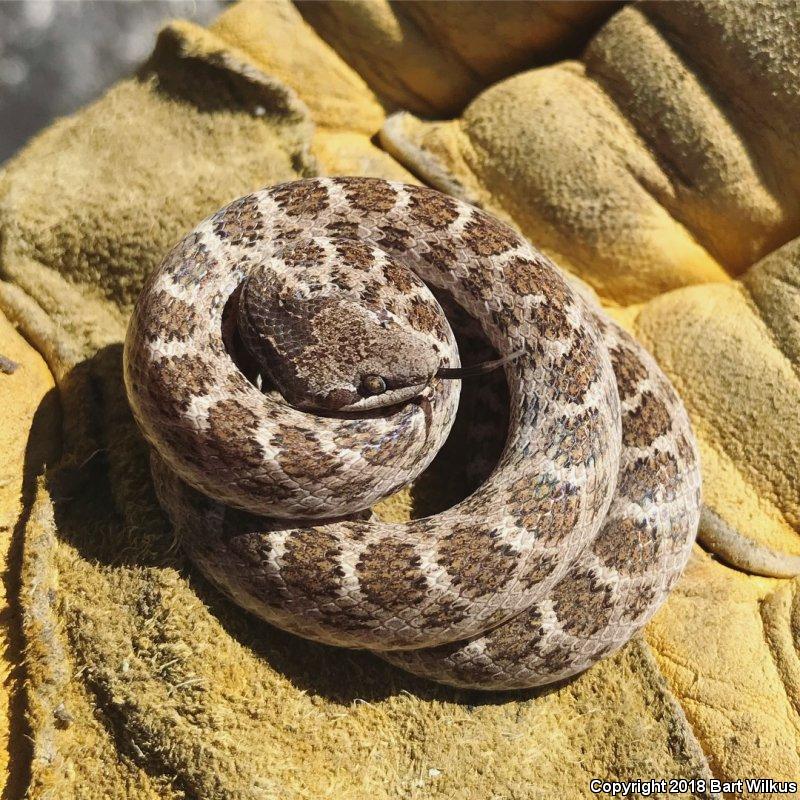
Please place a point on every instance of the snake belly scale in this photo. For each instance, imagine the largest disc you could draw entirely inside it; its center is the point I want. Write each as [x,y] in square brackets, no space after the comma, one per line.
[564,551]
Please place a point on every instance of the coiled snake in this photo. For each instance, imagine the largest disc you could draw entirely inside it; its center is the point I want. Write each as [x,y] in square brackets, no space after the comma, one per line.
[289,366]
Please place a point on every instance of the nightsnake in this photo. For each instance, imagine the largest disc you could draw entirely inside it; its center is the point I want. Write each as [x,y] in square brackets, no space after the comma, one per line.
[288,365]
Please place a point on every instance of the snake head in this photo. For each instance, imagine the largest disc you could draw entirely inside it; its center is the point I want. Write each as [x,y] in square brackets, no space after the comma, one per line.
[343,345]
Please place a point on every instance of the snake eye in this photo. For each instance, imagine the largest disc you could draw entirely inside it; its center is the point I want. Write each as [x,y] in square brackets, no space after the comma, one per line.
[372,385]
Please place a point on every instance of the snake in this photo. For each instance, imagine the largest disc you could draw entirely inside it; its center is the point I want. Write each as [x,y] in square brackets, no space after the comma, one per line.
[290,364]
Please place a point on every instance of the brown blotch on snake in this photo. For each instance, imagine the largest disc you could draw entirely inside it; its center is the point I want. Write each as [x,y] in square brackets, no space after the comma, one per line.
[477,559]
[644,424]
[487,236]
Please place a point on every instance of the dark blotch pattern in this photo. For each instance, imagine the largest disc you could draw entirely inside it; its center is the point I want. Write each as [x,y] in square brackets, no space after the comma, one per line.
[427,318]
[628,369]
[400,277]
[537,569]
[431,209]
[190,262]
[232,425]
[301,197]
[644,424]
[638,602]
[303,254]
[188,371]
[309,565]
[516,641]
[301,456]
[482,285]
[442,257]
[372,196]
[582,603]
[547,508]
[654,478]
[390,575]
[487,236]
[241,223]
[576,371]
[342,228]
[478,565]
[576,440]
[182,318]
[627,545]
[355,253]
[395,238]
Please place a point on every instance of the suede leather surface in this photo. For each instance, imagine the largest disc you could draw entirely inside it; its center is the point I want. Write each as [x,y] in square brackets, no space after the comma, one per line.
[658,165]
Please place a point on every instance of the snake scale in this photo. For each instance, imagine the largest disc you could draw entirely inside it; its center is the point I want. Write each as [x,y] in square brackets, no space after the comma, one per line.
[290,365]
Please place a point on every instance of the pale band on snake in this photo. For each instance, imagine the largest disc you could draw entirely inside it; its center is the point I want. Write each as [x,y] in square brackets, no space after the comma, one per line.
[290,366]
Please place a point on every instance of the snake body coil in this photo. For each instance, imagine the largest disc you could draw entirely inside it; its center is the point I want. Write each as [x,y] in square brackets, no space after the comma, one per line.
[319,288]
